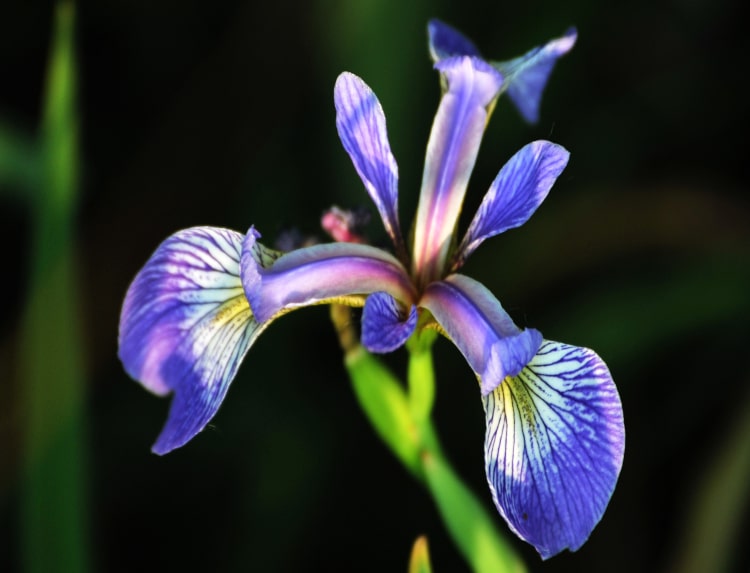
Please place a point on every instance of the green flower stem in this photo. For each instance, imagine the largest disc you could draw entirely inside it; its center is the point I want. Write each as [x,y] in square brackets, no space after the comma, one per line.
[472,529]
[403,421]
[421,375]
[383,399]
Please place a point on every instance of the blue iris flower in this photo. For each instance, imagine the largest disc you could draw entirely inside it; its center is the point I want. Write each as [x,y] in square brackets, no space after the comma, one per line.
[555,436]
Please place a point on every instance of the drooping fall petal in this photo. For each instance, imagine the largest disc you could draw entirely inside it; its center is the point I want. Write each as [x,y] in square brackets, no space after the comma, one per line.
[554,446]
[186,325]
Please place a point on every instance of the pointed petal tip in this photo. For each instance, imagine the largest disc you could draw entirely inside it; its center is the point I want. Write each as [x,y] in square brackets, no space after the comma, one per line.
[445,41]
[518,190]
[361,125]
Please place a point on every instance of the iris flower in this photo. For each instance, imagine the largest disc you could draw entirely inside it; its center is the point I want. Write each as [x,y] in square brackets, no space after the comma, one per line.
[555,438]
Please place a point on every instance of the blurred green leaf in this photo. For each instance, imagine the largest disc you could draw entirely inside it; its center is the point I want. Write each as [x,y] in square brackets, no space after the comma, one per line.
[717,509]
[465,518]
[54,512]
[420,557]
[631,320]
[386,404]
[20,164]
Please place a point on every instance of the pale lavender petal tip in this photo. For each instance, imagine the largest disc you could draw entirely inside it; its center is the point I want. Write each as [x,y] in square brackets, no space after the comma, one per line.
[519,188]
[386,324]
[185,327]
[554,447]
[445,42]
[527,75]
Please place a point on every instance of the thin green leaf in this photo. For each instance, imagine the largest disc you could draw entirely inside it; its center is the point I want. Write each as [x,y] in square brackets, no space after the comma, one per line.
[384,400]
[472,529]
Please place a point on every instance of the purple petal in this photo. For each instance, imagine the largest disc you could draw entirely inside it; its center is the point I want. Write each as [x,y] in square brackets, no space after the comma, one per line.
[527,75]
[475,321]
[554,446]
[386,324]
[516,192]
[445,42]
[451,152]
[186,325]
[332,272]
[361,125]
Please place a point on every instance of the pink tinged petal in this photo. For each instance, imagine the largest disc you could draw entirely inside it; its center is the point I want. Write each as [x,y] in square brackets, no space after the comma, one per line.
[445,42]
[520,187]
[451,152]
[527,75]
[332,272]
[386,323]
[475,321]
[554,446]
[186,325]
[361,125]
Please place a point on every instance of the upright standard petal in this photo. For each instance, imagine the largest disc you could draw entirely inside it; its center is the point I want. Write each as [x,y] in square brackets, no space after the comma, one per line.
[186,325]
[516,192]
[452,149]
[527,75]
[332,272]
[386,323]
[554,446]
[361,125]
[445,42]
[475,321]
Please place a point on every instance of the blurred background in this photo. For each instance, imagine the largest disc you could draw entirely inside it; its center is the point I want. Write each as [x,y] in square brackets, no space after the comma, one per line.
[187,115]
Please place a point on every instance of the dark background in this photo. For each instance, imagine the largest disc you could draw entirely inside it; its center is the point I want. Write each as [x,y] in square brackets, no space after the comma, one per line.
[223,115]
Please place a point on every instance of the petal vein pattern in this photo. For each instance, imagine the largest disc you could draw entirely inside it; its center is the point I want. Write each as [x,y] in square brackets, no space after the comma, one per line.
[186,325]
[554,446]
[519,188]
[361,125]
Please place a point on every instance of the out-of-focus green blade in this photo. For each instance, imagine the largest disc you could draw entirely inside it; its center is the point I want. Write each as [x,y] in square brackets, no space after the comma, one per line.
[470,526]
[713,526]
[54,512]
[20,163]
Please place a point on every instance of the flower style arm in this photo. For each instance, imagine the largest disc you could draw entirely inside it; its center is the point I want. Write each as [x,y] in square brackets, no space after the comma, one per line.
[325,273]
[519,188]
[185,327]
[554,446]
[475,321]
[452,149]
